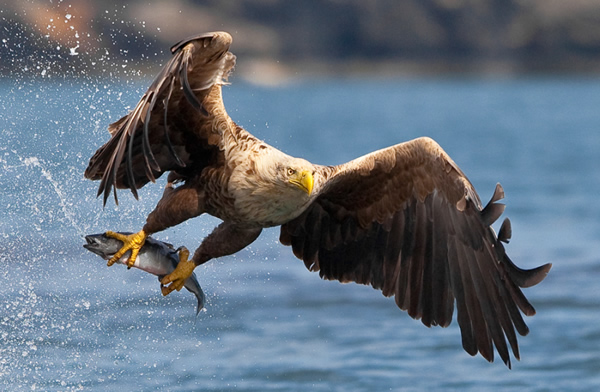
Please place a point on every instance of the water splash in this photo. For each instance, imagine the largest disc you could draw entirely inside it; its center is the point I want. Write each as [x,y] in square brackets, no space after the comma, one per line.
[33,162]
[69,215]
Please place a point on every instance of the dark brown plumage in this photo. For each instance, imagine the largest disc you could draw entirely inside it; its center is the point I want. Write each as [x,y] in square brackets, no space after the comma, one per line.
[404,219]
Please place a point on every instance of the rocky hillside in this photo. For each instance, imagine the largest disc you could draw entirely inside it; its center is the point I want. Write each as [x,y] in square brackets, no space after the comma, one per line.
[53,38]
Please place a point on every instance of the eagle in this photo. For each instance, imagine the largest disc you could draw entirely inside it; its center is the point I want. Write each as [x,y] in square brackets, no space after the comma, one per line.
[404,219]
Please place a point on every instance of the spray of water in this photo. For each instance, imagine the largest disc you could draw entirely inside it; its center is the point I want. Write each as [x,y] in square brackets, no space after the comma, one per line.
[64,84]
[80,228]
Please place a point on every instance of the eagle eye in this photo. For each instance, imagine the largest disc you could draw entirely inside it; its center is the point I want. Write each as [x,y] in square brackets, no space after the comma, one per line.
[291,171]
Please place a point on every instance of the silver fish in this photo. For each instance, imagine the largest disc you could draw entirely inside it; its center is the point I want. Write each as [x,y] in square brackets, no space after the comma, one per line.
[155,257]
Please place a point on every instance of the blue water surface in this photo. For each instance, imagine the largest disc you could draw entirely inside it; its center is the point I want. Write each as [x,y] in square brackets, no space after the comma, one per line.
[67,322]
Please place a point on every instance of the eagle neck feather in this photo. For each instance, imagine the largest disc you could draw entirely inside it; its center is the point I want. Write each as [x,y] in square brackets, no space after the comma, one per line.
[261,197]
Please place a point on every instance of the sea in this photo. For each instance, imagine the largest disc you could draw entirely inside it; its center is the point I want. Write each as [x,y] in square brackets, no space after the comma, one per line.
[68,322]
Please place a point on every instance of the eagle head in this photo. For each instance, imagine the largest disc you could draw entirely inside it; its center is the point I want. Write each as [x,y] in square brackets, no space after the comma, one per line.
[299,176]
[290,175]
[272,188]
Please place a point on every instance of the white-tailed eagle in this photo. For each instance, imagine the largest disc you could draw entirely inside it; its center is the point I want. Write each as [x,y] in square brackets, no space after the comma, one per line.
[403,219]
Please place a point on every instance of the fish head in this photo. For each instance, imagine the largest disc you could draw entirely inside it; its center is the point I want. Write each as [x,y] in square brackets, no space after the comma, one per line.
[102,245]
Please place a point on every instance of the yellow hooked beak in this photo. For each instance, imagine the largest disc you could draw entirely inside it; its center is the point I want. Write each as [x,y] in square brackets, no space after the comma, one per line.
[303,180]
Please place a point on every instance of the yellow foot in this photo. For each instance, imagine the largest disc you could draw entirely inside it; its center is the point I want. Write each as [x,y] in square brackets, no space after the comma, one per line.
[178,277]
[133,242]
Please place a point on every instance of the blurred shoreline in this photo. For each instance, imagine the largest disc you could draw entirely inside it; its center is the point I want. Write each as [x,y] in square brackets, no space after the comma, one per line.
[278,41]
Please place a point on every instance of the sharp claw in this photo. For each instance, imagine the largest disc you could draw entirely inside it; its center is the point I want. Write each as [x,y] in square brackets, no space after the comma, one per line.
[178,277]
[133,257]
[166,290]
[131,242]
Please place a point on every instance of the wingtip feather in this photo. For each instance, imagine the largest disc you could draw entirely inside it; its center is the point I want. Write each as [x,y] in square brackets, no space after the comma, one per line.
[505,232]
[492,211]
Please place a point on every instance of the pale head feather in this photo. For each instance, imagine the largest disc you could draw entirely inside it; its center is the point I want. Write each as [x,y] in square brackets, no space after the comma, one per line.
[262,189]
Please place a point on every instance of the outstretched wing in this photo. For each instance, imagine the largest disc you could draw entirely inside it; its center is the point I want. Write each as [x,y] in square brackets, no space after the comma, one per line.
[408,222]
[178,124]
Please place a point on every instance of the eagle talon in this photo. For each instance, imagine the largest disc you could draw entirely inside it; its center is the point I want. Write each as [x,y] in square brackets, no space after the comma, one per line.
[182,272]
[131,242]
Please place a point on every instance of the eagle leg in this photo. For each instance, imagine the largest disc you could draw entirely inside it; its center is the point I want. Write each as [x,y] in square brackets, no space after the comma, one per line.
[132,242]
[177,278]
[225,239]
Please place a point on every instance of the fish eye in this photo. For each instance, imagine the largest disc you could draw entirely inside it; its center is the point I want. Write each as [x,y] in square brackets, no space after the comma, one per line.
[291,171]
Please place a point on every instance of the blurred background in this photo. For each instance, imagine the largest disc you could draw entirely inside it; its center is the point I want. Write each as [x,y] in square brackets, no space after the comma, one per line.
[509,88]
[288,39]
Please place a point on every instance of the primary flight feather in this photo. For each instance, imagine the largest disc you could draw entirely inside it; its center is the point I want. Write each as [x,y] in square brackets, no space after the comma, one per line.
[404,219]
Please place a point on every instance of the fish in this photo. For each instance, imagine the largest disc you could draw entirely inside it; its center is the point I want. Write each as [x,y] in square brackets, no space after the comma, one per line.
[156,257]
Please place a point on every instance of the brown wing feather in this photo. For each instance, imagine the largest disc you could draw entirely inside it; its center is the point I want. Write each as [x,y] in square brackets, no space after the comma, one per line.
[407,221]
[178,124]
